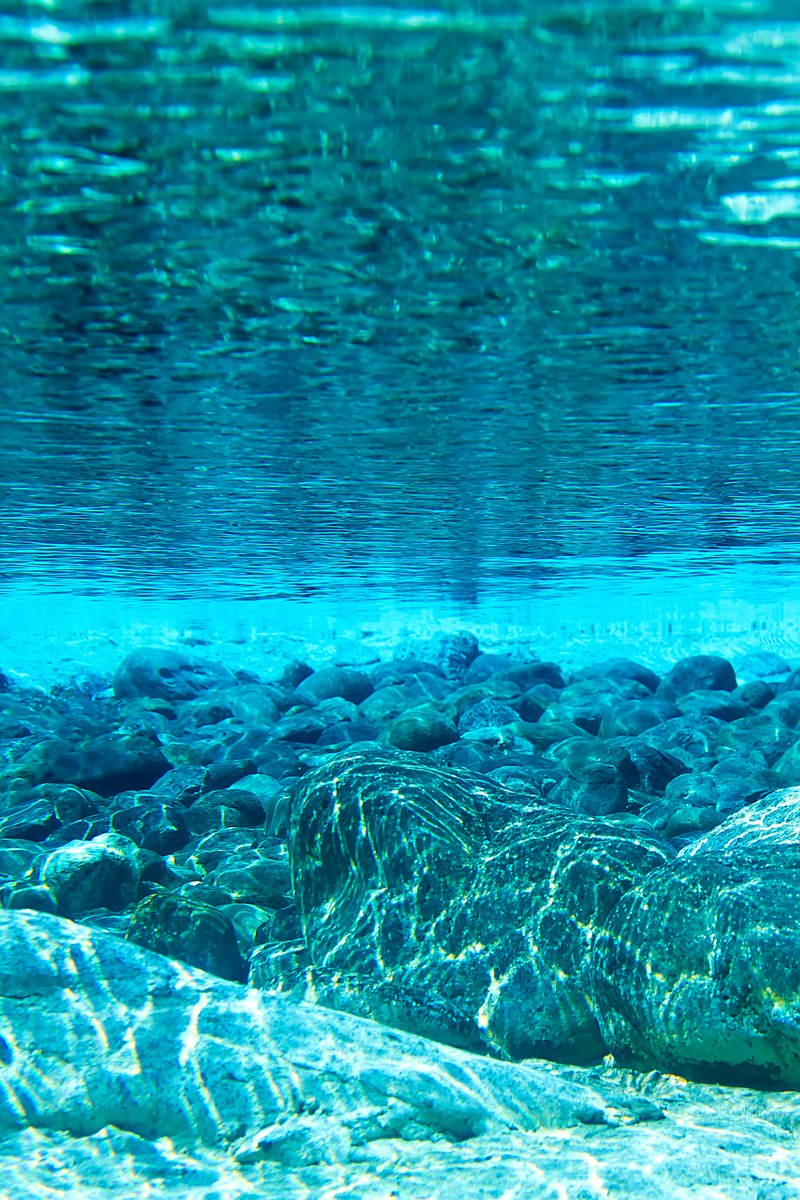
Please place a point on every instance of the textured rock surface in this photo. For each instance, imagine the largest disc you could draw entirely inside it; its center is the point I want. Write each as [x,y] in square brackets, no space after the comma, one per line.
[98,1032]
[123,1074]
[447,902]
[699,969]
[168,674]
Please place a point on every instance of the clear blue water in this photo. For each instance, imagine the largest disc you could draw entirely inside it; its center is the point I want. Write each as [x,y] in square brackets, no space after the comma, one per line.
[471,309]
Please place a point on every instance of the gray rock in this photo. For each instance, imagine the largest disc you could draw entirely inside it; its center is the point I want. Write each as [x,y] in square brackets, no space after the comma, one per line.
[334,681]
[452,653]
[45,808]
[303,726]
[763,834]
[754,694]
[764,732]
[485,714]
[723,705]
[652,768]
[123,760]
[763,664]
[619,670]
[103,873]
[532,674]
[786,769]
[169,674]
[152,825]
[107,1034]
[346,733]
[228,808]
[598,790]
[700,672]
[693,740]
[483,666]
[632,717]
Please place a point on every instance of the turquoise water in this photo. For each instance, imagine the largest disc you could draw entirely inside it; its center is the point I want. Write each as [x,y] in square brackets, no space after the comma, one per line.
[488,312]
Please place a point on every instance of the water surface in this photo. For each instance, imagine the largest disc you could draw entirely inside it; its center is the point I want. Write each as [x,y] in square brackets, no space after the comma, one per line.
[452,305]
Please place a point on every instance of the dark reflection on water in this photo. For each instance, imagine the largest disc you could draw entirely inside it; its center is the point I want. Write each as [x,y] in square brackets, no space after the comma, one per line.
[297,293]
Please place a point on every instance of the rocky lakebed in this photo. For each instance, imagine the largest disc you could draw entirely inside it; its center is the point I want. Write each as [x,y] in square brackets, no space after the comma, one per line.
[444,923]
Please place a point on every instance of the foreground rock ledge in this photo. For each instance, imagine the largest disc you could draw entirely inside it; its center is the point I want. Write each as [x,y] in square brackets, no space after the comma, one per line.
[122,1071]
[96,1032]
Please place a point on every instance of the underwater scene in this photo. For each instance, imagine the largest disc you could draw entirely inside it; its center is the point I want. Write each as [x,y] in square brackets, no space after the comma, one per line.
[400,600]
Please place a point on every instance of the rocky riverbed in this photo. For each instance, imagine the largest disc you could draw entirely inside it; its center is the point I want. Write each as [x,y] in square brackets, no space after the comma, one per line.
[566,904]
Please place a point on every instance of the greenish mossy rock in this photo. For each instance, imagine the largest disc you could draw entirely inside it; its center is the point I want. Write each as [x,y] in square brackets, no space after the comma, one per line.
[420,885]
[421,728]
[195,933]
[698,972]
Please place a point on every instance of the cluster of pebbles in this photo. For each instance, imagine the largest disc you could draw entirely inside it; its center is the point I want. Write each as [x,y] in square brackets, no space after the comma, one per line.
[159,806]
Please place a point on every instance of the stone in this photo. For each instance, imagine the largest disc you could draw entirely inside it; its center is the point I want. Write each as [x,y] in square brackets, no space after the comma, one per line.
[697,673]
[723,705]
[755,694]
[303,726]
[108,763]
[346,733]
[786,769]
[102,873]
[530,674]
[650,768]
[398,670]
[766,833]
[17,856]
[263,877]
[693,740]
[122,1038]
[229,808]
[168,674]
[486,714]
[577,753]
[764,731]
[195,933]
[597,790]
[619,670]
[452,653]
[334,681]
[436,900]
[698,972]
[421,728]
[152,825]
[763,664]
[483,666]
[629,718]
[46,807]
[38,899]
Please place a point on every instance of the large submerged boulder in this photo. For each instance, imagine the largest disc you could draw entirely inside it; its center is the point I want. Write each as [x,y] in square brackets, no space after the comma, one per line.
[698,971]
[440,901]
[98,1033]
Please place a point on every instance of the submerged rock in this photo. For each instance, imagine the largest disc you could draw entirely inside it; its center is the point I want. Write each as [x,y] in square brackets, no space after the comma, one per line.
[121,1037]
[415,881]
[102,873]
[698,973]
[188,930]
[168,675]
[700,672]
